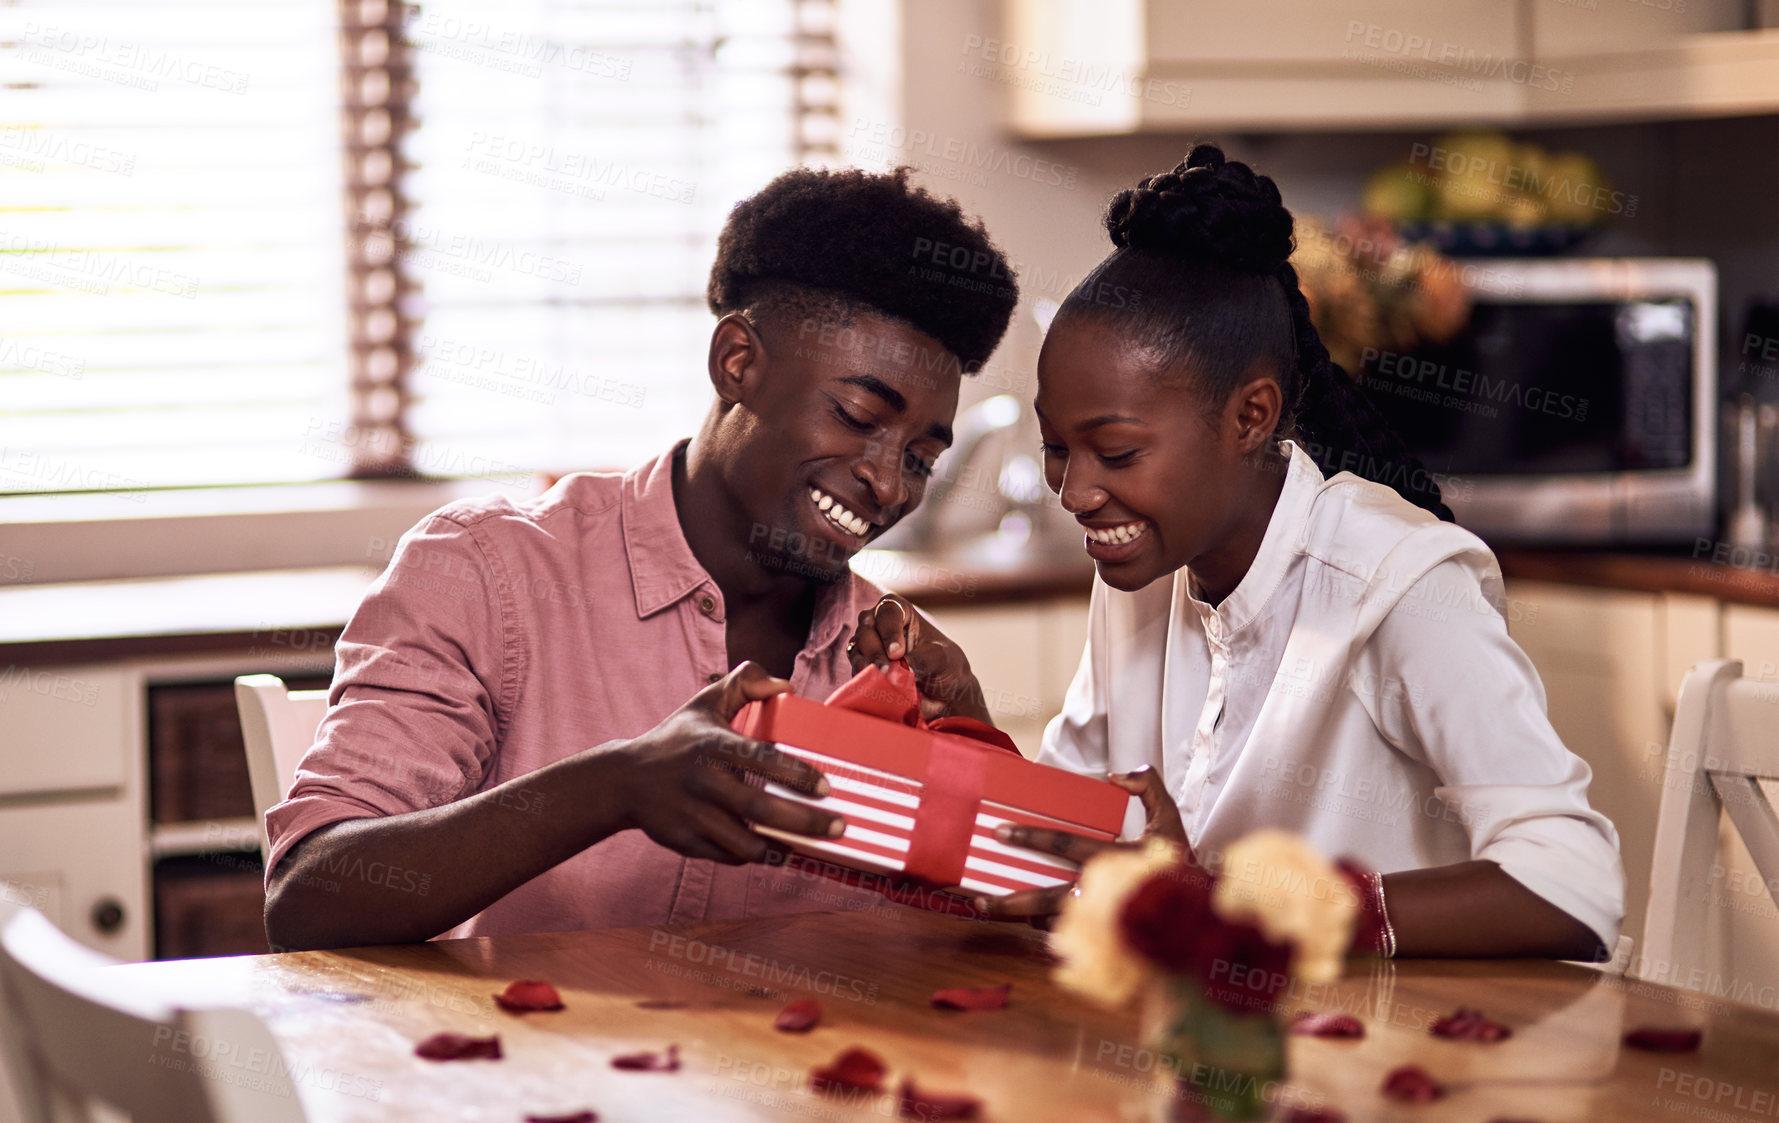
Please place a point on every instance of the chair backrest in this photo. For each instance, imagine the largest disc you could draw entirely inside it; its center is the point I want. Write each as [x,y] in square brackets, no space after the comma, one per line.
[75,1036]
[1726,738]
[278,726]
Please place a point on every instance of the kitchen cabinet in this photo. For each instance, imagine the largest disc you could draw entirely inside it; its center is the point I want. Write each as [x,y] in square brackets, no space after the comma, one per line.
[125,814]
[1612,661]
[1132,66]
[126,818]
[1024,655]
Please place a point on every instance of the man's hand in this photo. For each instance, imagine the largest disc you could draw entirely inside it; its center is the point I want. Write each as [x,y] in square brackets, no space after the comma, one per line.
[1162,820]
[891,629]
[682,781]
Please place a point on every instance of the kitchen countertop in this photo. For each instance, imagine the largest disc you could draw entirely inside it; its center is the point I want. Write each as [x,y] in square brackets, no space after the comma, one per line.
[93,620]
[1646,573]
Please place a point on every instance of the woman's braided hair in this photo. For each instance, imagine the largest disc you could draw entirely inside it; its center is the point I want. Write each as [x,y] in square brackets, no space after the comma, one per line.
[1203,276]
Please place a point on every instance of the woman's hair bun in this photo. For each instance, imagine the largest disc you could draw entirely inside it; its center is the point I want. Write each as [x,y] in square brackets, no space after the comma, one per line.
[1207,207]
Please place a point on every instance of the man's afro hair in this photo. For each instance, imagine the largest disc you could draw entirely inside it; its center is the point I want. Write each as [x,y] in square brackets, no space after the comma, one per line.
[872,239]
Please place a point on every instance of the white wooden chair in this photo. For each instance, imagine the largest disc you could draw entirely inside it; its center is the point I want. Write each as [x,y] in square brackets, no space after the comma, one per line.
[80,1044]
[278,726]
[1726,738]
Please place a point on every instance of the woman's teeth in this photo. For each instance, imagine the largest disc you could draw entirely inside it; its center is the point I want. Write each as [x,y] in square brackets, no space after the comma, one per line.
[838,515]
[1118,535]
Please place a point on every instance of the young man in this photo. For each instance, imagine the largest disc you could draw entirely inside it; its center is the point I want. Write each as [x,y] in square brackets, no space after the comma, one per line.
[509,745]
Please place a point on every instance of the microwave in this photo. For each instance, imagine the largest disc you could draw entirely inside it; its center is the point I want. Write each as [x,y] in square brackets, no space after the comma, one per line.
[1576,407]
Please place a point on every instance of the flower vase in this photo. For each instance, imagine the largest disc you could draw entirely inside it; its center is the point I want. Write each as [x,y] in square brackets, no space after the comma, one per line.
[1226,1064]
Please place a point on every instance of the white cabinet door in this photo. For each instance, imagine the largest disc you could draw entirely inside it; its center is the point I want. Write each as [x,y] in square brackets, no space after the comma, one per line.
[65,728]
[84,865]
[1597,652]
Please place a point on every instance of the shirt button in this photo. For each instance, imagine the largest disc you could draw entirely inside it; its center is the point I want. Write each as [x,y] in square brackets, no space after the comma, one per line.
[713,676]
[707,604]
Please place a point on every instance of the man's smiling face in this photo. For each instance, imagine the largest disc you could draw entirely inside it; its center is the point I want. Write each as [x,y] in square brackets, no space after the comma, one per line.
[835,435]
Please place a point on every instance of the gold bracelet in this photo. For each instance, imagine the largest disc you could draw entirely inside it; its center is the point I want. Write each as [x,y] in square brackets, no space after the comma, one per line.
[1387,939]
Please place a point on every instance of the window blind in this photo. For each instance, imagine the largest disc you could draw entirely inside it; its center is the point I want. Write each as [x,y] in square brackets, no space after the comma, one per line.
[171,275]
[571,165]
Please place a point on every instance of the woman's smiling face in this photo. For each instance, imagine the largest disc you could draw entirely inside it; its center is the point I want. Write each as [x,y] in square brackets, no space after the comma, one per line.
[1158,480]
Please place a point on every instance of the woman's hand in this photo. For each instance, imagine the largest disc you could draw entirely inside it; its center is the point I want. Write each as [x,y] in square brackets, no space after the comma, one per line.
[891,629]
[1161,820]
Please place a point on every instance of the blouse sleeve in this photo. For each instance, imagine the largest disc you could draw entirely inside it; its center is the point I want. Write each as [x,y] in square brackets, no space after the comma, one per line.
[1472,708]
[418,686]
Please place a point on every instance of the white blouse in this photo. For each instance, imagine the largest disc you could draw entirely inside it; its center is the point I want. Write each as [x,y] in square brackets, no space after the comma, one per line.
[1358,687]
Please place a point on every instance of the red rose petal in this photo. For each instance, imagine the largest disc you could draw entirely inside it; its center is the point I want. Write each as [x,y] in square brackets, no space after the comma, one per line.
[1465,1024]
[649,1062]
[973,998]
[1657,1039]
[800,1016]
[916,1104]
[855,1070]
[1313,1115]
[1311,1024]
[1411,1084]
[458,1047]
[574,1117]
[527,995]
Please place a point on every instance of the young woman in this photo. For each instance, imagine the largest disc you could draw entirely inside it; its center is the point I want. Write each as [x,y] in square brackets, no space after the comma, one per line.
[1281,640]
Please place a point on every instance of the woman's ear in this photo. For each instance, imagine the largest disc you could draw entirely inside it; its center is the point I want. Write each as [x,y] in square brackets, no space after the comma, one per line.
[1256,405]
[737,355]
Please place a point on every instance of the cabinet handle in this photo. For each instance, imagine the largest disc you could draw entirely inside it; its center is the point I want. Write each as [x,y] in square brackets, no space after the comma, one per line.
[108,915]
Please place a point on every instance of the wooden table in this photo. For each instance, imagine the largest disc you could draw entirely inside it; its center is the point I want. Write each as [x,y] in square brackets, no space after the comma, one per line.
[349,1020]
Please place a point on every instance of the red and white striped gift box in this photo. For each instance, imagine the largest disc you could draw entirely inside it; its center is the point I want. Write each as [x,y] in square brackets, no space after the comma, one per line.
[884,778]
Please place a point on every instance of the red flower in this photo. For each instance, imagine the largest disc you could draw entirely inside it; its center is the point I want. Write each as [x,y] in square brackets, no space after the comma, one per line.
[1169,921]
[1308,1024]
[915,1104]
[855,1070]
[1240,969]
[649,1062]
[1298,1114]
[458,1047]
[1412,1084]
[528,994]
[1657,1040]
[1160,918]
[1466,1024]
[973,998]
[800,1016]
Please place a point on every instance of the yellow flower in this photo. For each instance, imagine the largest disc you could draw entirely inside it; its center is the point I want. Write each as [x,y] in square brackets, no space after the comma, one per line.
[1097,963]
[1277,882]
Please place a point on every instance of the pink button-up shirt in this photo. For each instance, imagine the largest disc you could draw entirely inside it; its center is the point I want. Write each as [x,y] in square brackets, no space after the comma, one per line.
[503,637]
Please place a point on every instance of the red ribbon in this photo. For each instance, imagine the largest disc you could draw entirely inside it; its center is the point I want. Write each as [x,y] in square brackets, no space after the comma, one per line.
[957,767]
[894,697]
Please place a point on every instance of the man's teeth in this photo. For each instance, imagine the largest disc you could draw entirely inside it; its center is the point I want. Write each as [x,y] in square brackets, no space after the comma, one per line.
[1118,535]
[837,514]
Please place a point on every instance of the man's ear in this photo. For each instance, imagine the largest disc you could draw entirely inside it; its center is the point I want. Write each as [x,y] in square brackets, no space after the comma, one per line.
[737,357]
[1256,405]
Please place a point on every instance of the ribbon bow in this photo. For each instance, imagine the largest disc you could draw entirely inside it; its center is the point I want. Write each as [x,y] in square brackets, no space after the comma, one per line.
[894,697]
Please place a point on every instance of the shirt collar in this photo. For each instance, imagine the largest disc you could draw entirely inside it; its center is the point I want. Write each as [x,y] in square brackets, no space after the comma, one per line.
[1282,542]
[663,569]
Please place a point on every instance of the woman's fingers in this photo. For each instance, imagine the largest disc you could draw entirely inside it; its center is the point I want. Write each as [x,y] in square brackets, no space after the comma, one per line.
[1161,816]
[1031,904]
[1076,848]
